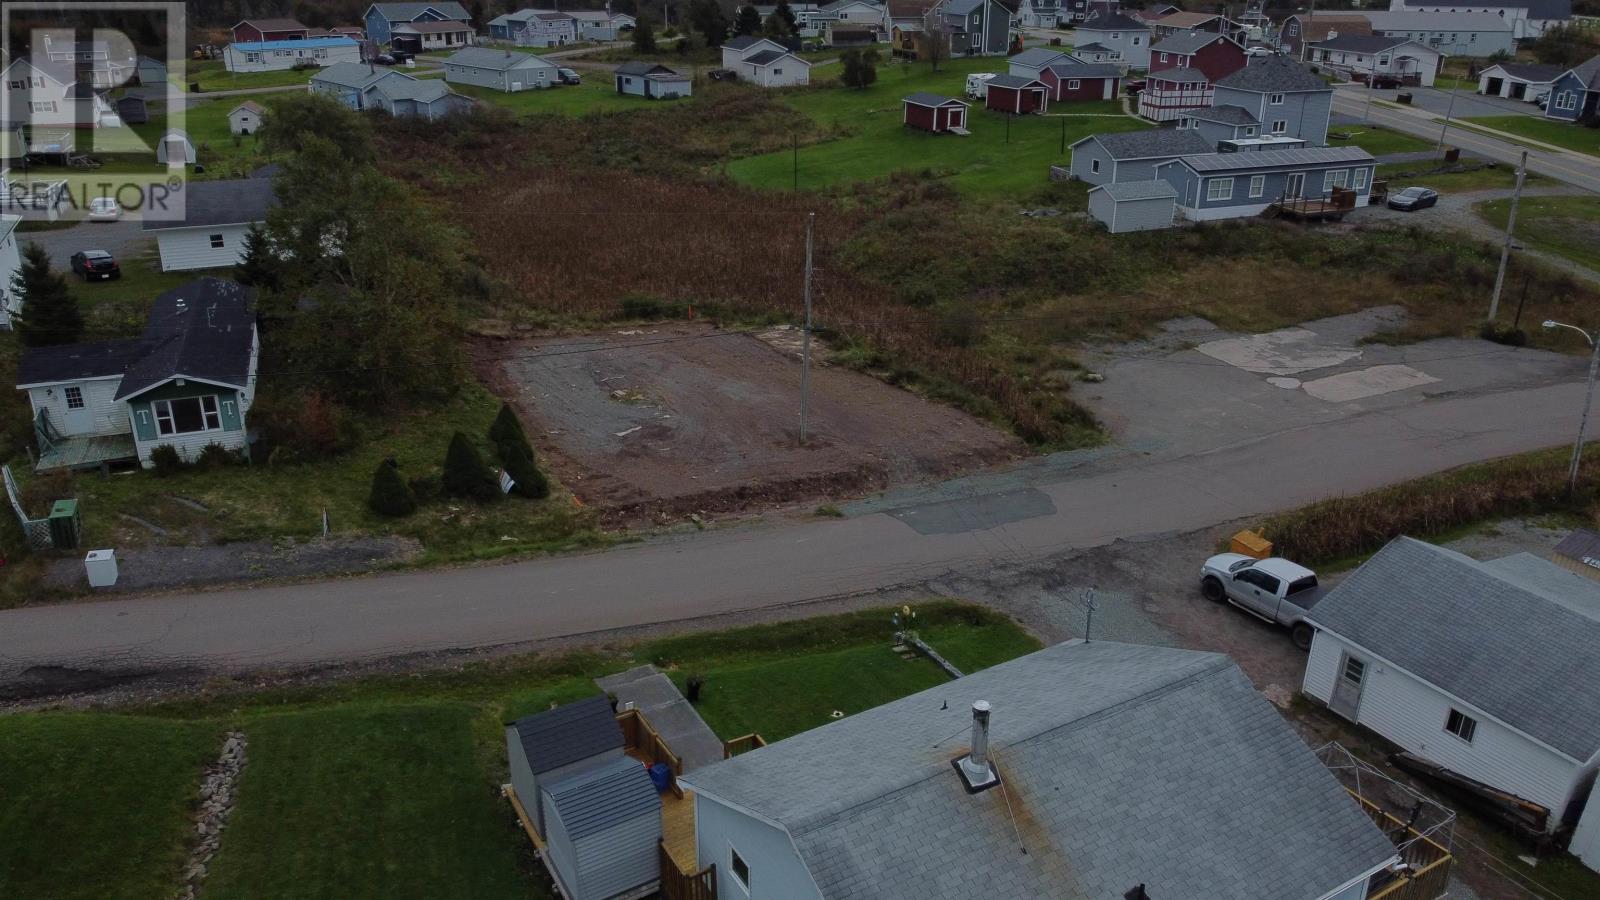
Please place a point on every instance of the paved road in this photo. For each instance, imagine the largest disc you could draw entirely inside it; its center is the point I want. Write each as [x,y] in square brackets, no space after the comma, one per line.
[1121,495]
[1572,168]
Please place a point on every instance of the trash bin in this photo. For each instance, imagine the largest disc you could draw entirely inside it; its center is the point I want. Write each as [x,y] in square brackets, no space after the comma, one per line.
[1402,98]
[101,567]
[1452,154]
[64,525]
[661,774]
[1251,544]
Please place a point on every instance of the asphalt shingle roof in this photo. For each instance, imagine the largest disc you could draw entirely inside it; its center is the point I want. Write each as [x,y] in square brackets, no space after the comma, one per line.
[202,329]
[1506,637]
[495,60]
[742,41]
[605,796]
[566,734]
[1226,114]
[1186,42]
[1274,74]
[1588,72]
[71,362]
[265,25]
[1138,190]
[1116,21]
[1158,142]
[1179,76]
[349,74]
[1361,43]
[765,57]
[1120,765]
[232,202]
[1537,73]
[644,68]
[408,12]
[1071,69]
[922,98]
[1037,57]
[1013,81]
[1580,545]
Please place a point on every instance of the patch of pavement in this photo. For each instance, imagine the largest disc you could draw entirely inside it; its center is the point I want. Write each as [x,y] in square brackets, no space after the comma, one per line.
[1347,386]
[1285,352]
[979,513]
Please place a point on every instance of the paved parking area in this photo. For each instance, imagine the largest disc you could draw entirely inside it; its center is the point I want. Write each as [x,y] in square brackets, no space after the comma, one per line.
[1466,103]
[122,238]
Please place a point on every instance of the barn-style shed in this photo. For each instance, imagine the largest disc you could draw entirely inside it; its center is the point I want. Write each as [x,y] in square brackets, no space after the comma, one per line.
[935,113]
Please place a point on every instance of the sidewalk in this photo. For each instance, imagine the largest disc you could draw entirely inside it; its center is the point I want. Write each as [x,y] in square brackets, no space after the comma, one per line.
[654,694]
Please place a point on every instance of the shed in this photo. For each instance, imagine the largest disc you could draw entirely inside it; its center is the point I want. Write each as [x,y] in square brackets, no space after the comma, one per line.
[1134,205]
[935,113]
[1016,95]
[175,149]
[652,80]
[133,110]
[246,117]
[152,72]
[550,746]
[604,830]
[1579,552]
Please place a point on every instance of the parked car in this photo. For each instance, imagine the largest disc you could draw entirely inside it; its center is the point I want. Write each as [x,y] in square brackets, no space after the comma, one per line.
[93,264]
[1274,590]
[1259,50]
[104,209]
[1133,87]
[1413,198]
[569,76]
[383,59]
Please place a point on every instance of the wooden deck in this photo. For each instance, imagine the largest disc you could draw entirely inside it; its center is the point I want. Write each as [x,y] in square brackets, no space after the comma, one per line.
[86,453]
[677,829]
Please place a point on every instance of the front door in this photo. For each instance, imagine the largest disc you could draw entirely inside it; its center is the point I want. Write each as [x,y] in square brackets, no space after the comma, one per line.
[1294,184]
[1346,700]
[77,418]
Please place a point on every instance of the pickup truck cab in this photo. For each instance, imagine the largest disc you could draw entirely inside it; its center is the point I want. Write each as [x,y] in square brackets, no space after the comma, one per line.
[1275,590]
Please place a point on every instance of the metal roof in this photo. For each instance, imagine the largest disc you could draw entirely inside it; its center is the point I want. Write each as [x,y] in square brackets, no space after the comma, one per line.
[604,797]
[1119,764]
[1276,75]
[496,60]
[922,98]
[1137,190]
[1153,144]
[566,734]
[1518,639]
[1270,159]
[1423,21]
[235,201]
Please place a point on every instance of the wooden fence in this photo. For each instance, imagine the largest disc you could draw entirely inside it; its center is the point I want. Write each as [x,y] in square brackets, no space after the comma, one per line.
[679,885]
[742,744]
[638,734]
[1427,862]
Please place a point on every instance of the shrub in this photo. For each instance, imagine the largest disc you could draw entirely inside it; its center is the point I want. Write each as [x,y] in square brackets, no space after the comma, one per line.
[1503,334]
[215,456]
[305,425]
[165,460]
[390,495]
[507,427]
[640,306]
[527,480]
[465,474]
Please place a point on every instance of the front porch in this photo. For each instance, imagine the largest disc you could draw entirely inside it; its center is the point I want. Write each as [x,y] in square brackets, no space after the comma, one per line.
[57,453]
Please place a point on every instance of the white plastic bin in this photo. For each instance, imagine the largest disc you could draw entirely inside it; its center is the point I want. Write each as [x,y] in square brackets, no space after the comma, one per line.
[101,567]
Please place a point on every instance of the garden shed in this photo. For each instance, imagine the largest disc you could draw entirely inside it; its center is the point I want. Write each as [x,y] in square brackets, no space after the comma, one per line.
[246,118]
[175,149]
[935,113]
[133,110]
[556,744]
[604,830]
[1133,205]
[1016,95]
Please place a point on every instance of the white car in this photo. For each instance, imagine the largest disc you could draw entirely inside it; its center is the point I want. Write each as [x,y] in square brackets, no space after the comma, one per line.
[104,209]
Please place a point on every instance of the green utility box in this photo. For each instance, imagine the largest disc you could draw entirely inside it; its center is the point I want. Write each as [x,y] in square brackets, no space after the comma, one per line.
[65,525]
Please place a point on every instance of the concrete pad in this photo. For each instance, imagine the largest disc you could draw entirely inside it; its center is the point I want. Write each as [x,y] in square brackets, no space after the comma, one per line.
[1362,383]
[1284,352]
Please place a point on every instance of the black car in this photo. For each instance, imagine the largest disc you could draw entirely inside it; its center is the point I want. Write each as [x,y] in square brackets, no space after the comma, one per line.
[1413,198]
[93,264]
[383,59]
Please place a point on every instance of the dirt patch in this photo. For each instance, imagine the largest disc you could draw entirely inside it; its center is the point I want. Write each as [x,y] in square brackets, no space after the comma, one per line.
[657,423]
[169,568]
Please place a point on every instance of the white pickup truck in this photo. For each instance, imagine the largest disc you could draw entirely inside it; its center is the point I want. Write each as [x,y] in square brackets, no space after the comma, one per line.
[1274,589]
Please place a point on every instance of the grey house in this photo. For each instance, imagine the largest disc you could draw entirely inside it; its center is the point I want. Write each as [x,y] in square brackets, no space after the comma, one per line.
[428,98]
[975,27]
[551,746]
[1132,155]
[652,80]
[1114,766]
[1126,37]
[347,82]
[1222,123]
[1235,185]
[604,828]
[501,70]
[1133,205]
[1283,95]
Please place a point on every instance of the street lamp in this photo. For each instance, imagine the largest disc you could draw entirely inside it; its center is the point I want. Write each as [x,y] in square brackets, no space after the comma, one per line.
[1583,423]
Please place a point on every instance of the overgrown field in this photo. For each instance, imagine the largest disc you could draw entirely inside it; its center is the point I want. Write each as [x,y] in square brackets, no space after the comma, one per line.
[388,787]
[1567,226]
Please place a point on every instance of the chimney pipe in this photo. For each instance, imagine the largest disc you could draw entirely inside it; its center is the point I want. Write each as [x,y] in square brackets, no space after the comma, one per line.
[975,768]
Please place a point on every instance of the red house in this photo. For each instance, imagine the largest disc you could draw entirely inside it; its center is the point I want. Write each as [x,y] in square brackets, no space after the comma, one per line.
[1072,82]
[931,112]
[269,30]
[1016,95]
[1214,55]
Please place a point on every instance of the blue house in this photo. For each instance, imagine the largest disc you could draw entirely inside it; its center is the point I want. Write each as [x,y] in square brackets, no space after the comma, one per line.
[1235,185]
[347,82]
[382,17]
[1575,95]
[1283,96]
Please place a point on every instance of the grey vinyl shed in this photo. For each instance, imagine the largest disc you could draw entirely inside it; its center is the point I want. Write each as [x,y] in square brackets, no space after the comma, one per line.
[551,746]
[1134,205]
[604,830]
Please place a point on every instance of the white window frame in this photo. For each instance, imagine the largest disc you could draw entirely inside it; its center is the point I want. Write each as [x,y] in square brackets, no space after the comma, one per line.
[733,871]
[1258,185]
[1213,195]
[1466,726]
[1280,126]
[218,241]
[1073,84]
[1334,178]
[1275,99]
[74,396]
[1094,167]
[167,422]
[1359,179]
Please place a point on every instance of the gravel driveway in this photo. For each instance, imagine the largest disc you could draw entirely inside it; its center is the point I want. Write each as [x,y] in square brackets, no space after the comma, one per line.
[122,238]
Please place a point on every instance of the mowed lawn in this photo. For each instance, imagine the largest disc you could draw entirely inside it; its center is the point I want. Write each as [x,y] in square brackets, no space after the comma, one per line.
[388,787]
[989,162]
[213,75]
[1565,226]
[1547,131]
[1377,140]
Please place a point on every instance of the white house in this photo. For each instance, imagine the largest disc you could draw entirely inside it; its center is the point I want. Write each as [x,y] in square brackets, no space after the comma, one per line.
[1518,81]
[10,263]
[425,37]
[1527,18]
[546,29]
[210,227]
[270,56]
[52,102]
[1084,770]
[246,118]
[501,70]
[764,62]
[651,80]
[1363,56]
[1490,670]
[1451,33]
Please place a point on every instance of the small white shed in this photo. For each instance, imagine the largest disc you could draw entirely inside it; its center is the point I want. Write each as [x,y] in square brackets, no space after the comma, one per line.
[1134,205]
[547,747]
[246,118]
[175,149]
[603,830]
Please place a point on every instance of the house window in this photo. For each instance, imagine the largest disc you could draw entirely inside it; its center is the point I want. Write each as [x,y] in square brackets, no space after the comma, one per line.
[1258,185]
[739,868]
[1354,670]
[1279,126]
[1072,84]
[1163,57]
[1360,182]
[74,397]
[216,242]
[1275,99]
[1116,35]
[1249,131]
[1094,167]
[1461,725]
[1565,100]
[48,106]
[1219,188]
[777,71]
[252,57]
[1334,178]
[1383,61]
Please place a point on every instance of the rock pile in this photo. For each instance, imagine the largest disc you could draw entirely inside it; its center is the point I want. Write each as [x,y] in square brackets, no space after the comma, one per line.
[216,804]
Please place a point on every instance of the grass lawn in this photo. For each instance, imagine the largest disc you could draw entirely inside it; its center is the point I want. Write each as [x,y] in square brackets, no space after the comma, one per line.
[876,143]
[117,309]
[1566,226]
[595,94]
[1403,175]
[1377,140]
[213,75]
[97,807]
[1546,131]
[386,787]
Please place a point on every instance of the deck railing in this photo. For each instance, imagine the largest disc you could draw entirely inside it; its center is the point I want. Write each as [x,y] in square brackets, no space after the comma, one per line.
[677,884]
[637,734]
[1426,863]
[742,744]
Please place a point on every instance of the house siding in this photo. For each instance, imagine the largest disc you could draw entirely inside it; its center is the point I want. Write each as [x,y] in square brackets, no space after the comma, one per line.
[1306,113]
[531,788]
[1134,46]
[563,856]
[102,413]
[349,96]
[243,121]
[620,858]
[1567,85]
[10,262]
[530,76]
[1192,188]
[776,870]
[237,60]
[1412,714]
[183,249]
[232,406]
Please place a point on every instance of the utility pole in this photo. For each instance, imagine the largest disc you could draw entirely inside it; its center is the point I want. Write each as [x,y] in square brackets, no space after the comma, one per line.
[796,136]
[805,362]
[1505,248]
[1447,111]
[1588,400]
